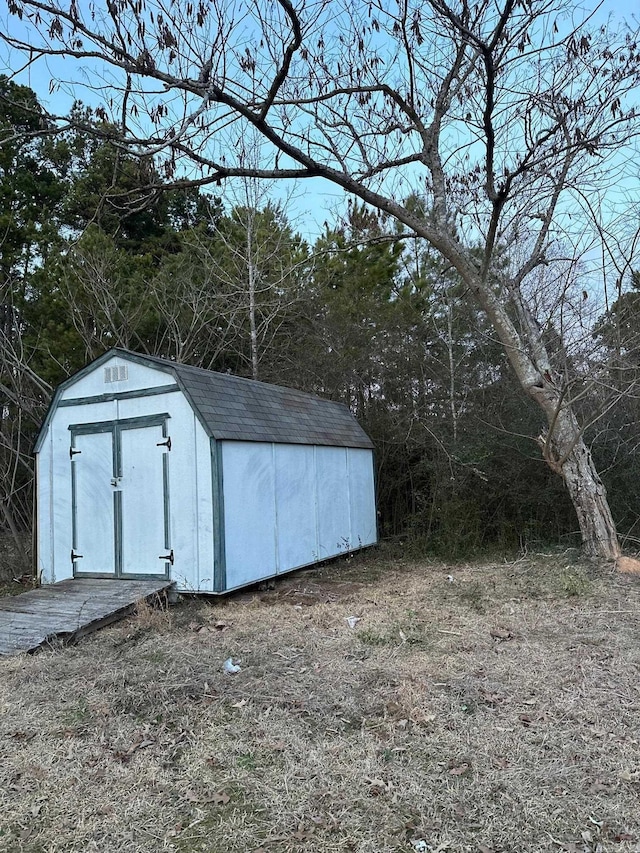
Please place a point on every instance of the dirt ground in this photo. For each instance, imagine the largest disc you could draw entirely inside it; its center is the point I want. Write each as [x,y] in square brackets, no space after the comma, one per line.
[488,708]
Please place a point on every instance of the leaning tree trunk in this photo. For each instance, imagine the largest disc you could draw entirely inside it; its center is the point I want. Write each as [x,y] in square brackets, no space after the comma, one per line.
[567,454]
[563,446]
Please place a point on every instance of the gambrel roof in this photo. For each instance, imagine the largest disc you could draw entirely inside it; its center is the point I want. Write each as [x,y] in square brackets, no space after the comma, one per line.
[231,407]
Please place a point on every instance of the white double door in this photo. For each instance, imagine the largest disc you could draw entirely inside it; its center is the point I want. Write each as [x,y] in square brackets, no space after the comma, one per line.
[120,485]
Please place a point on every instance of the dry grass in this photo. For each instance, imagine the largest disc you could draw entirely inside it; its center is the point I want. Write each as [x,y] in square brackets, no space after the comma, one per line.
[496,712]
[16,572]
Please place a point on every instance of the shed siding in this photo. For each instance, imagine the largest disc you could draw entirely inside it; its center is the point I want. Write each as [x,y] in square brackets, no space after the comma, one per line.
[203,492]
[334,523]
[44,521]
[249,511]
[364,528]
[288,506]
[295,479]
[139,378]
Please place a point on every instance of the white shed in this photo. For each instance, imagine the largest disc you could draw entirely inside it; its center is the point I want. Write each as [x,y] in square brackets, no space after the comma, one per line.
[150,469]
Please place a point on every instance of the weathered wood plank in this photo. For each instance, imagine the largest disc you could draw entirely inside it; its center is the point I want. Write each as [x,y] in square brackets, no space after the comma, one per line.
[68,610]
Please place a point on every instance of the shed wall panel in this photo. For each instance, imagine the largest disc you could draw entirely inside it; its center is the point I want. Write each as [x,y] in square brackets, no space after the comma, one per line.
[44,523]
[362,498]
[334,526]
[204,541]
[296,505]
[249,511]
[139,378]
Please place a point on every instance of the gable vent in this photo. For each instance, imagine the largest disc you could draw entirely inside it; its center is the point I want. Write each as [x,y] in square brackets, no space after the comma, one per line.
[116,374]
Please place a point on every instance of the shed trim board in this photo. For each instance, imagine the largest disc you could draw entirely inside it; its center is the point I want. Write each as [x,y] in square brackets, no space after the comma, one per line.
[213,482]
[217,491]
[117,395]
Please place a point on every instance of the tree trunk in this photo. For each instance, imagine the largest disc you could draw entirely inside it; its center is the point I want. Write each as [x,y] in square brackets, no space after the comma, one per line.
[562,445]
[568,455]
[251,270]
[589,497]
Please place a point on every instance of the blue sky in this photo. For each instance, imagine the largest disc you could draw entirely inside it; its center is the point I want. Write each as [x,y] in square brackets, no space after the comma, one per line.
[311,202]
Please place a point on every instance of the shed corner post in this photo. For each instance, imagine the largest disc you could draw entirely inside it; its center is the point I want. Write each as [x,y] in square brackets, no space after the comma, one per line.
[35,531]
[217,508]
[376,486]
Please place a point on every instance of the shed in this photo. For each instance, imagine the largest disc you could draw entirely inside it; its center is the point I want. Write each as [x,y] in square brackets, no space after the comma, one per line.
[150,469]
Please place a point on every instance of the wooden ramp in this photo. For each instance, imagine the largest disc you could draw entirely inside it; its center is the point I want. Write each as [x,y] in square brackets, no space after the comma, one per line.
[65,611]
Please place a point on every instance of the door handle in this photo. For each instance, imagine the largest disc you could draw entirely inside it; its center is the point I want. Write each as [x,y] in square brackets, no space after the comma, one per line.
[168,556]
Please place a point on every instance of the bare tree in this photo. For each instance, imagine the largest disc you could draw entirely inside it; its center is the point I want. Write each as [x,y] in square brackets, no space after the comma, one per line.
[24,397]
[501,114]
[257,261]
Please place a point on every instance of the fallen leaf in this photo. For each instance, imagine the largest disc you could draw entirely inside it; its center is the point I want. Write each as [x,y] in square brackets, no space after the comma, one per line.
[501,634]
[628,776]
[623,836]
[240,704]
[143,743]
[37,772]
[221,626]
[220,798]
[377,786]
[303,834]
[491,698]
[460,770]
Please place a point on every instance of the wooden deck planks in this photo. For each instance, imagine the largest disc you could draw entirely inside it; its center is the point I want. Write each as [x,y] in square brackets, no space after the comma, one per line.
[66,611]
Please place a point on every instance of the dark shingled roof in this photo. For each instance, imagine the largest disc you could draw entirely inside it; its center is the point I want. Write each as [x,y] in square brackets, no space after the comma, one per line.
[246,410]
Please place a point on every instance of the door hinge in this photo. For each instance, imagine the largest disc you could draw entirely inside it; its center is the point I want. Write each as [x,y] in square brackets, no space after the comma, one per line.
[166,443]
[72,452]
[168,556]
[75,556]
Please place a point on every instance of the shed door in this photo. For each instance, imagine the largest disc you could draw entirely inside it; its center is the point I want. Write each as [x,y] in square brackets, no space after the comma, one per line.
[94,550]
[144,509]
[120,482]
